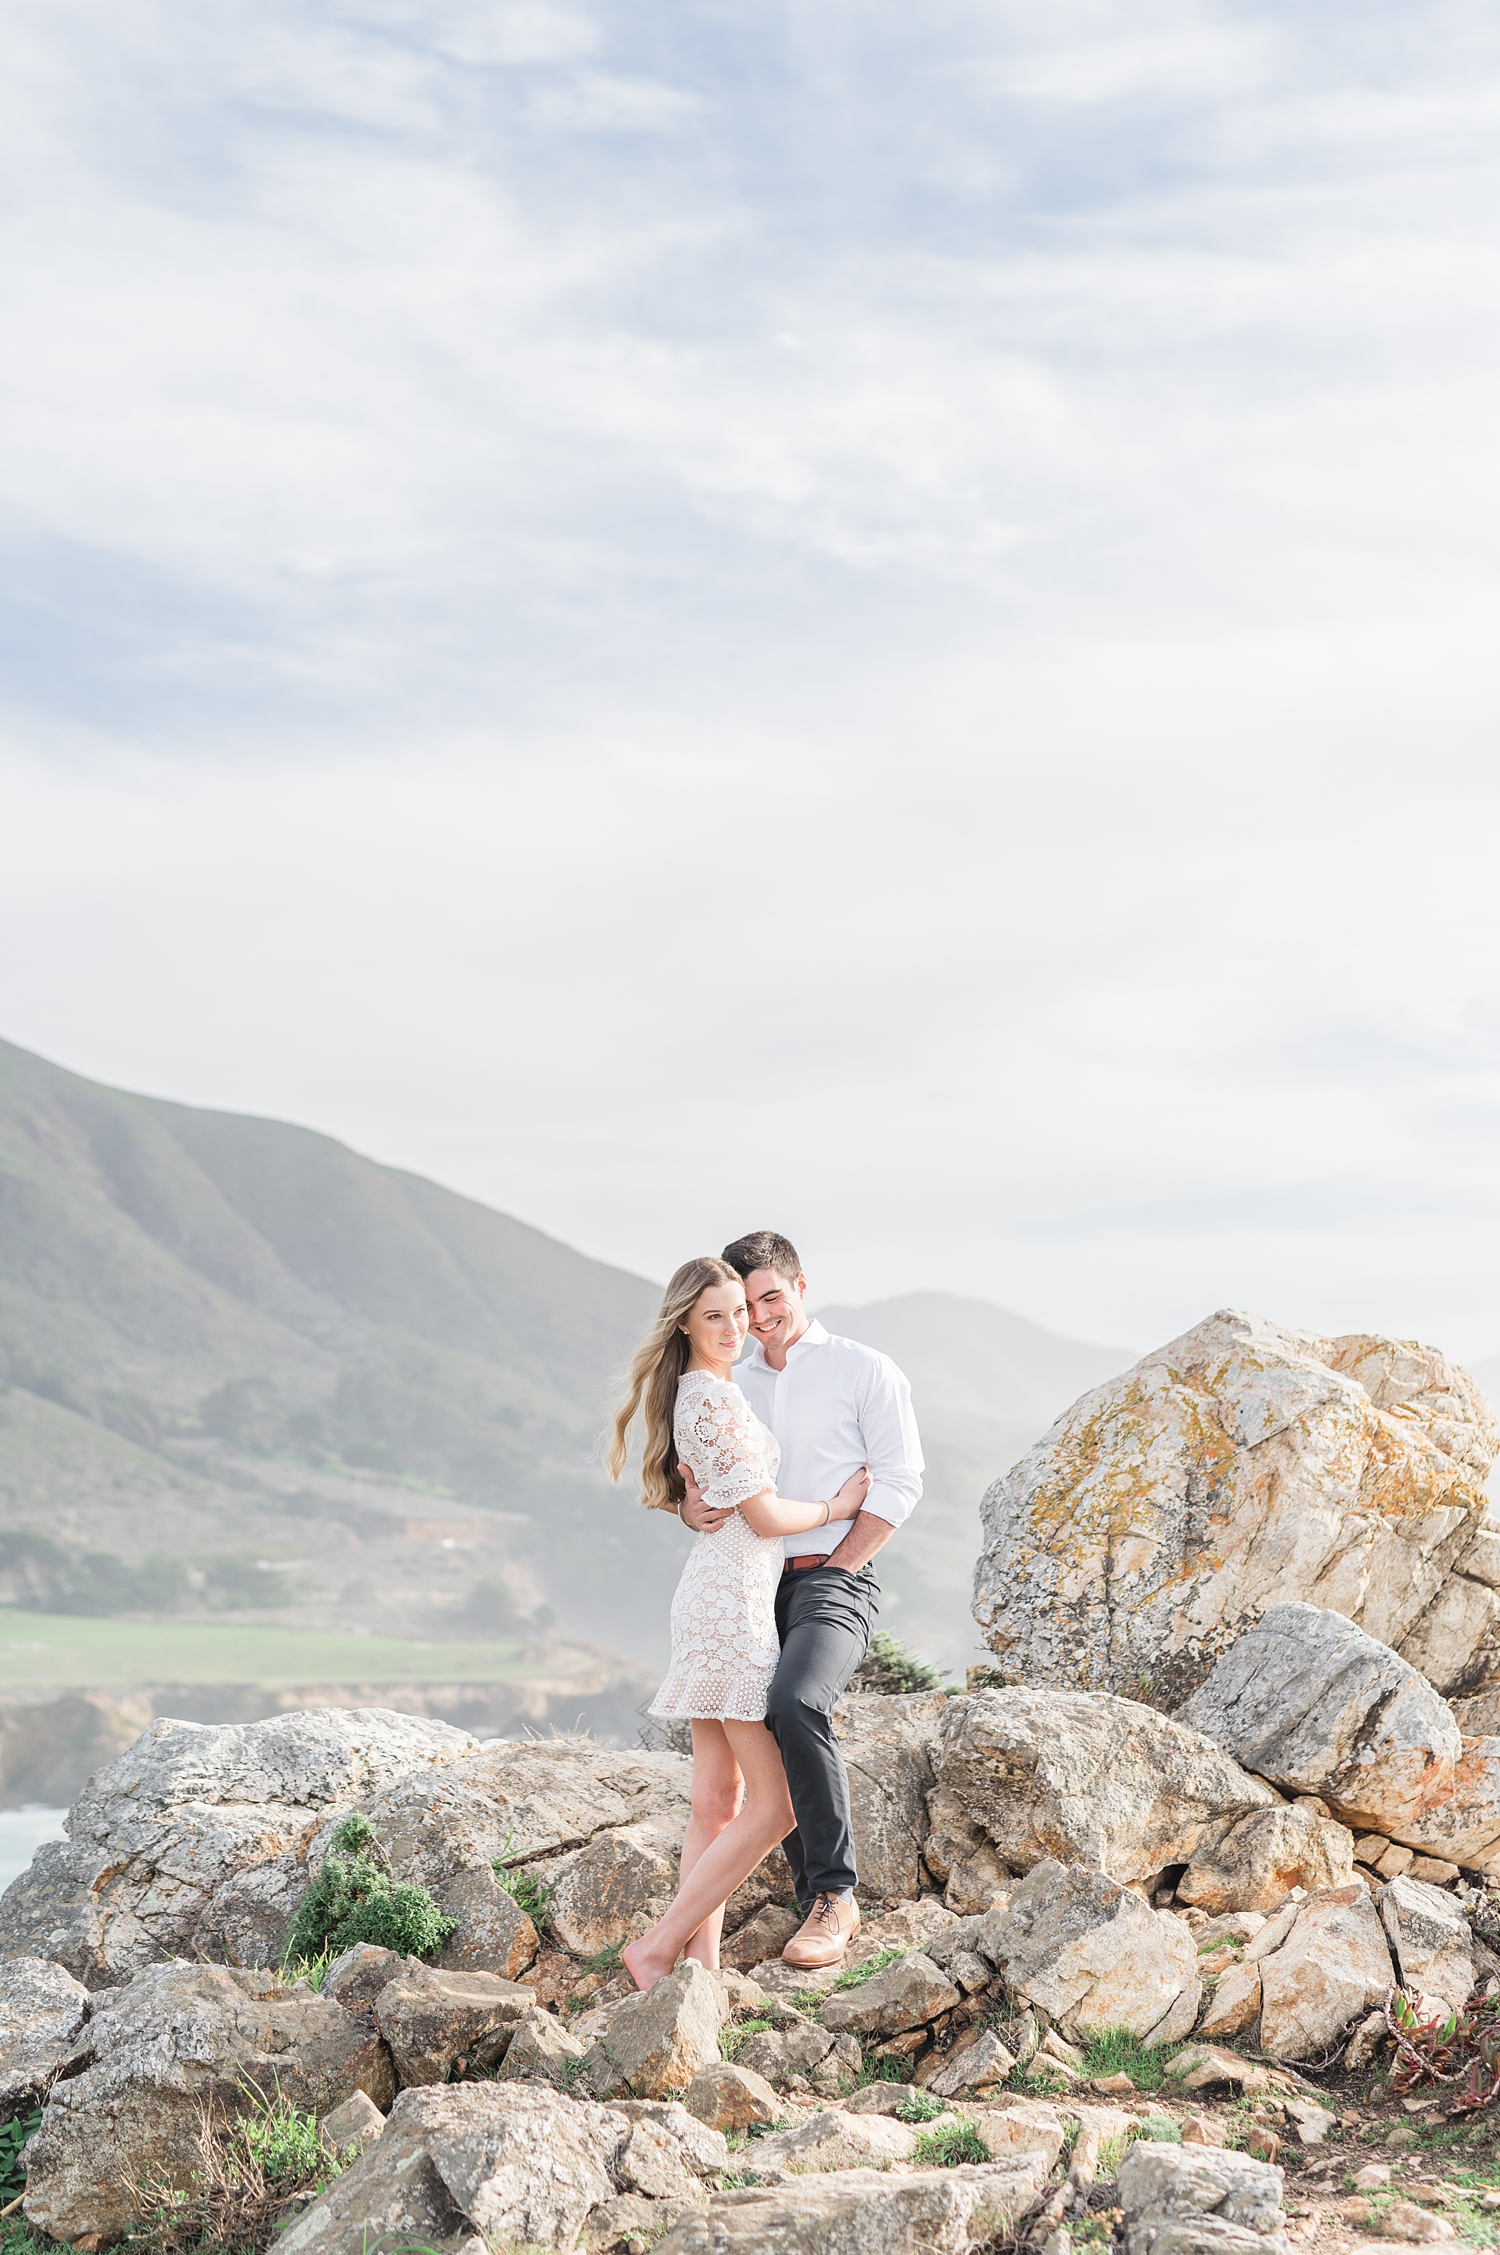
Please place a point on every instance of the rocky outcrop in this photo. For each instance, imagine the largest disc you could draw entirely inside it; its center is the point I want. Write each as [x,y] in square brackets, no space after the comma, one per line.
[1237,1468]
[42,2010]
[888,1744]
[197,1838]
[656,2042]
[179,2038]
[1320,1707]
[1088,1779]
[1092,1956]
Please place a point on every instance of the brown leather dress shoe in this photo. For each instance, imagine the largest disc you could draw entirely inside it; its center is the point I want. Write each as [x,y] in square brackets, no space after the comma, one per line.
[825,1934]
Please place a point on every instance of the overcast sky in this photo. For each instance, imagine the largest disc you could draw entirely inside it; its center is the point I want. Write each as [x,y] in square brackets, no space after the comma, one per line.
[875,619]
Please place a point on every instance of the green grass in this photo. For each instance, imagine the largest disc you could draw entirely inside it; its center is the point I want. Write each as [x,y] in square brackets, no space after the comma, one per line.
[950,2148]
[857,1975]
[527,1893]
[68,1649]
[1114,2051]
[883,2069]
[311,1969]
[603,1961]
[920,2108]
[1160,2129]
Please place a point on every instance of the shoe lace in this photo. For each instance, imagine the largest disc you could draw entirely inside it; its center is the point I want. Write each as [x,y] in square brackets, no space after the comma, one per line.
[825,1911]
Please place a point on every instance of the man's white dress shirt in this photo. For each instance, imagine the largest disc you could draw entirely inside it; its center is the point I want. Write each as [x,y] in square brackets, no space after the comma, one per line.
[837,1405]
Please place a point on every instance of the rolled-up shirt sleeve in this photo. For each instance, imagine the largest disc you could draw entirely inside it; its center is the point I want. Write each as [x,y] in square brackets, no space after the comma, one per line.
[893,1448]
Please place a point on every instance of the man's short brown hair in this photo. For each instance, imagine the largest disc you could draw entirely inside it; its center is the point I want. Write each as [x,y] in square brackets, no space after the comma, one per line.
[764,1248]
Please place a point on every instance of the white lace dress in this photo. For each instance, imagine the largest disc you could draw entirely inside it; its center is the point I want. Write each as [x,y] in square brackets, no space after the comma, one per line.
[724,1642]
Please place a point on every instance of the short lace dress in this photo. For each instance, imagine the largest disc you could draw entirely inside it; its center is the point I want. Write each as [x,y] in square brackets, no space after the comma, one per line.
[724,1642]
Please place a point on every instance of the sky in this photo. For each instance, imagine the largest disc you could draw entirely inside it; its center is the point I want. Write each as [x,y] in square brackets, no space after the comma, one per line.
[873,620]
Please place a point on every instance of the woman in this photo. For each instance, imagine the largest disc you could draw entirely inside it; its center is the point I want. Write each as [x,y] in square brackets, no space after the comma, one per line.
[724,1646]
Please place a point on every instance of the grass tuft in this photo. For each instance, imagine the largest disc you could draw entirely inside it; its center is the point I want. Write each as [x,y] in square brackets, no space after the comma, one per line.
[1159,2129]
[950,2147]
[857,1975]
[1115,2051]
[919,2107]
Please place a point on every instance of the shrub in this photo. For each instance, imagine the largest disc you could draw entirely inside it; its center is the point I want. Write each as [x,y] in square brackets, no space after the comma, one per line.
[525,1891]
[918,2107]
[353,1899]
[890,1666]
[248,2167]
[1115,2051]
[13,2136]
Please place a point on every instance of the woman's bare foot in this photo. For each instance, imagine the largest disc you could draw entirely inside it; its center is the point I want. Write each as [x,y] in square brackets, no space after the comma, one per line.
[645,1966]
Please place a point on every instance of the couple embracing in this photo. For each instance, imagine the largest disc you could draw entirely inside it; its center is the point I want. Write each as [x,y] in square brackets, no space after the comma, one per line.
[776,1603]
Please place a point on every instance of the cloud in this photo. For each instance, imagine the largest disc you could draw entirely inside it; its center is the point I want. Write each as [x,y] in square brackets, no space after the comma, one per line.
[875,620]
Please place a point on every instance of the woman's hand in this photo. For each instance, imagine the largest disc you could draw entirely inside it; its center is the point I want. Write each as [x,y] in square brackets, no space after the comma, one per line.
[850,1500]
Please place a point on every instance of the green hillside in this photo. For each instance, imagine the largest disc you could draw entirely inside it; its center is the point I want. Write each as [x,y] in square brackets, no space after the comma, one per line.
[246,1370]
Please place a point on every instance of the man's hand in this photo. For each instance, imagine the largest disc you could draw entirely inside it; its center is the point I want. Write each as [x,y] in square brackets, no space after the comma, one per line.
[866,1535]
[697,1514]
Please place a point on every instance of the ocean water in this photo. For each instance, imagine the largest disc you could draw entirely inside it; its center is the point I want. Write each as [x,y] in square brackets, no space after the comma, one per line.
[22,1832]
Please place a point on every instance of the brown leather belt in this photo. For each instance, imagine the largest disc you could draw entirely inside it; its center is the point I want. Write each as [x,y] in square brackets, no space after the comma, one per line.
[800,1565]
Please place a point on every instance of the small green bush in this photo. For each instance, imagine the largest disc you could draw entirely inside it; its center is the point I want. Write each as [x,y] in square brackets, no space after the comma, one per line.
[890,1666]
[1115,2051]
[1160,2129]
[524,1889]
[951,2147]
[13,2136]
[353,1899]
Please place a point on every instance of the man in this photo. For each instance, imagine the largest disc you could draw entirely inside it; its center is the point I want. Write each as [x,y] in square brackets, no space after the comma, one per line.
[833,1405]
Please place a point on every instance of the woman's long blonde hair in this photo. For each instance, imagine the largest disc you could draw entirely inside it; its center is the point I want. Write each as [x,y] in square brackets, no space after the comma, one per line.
[659,1362]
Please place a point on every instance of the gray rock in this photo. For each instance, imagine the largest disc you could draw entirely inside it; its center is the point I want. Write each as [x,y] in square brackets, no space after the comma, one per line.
[1264,1856]
[1200,2200]
[432,2019]
[650,2161]
[838,2140]
[929,2212]
[1090,1779]
[611,1890]
[197,1837]
[762,1937]
[356,1979]
[1432,1941]
[730,2096]
[777,2053]
[958,1940]
[552,1796]
[42,2009]
[1318,1706]
[541,2050]
[971,1972]
[704,2152]
[1244,1466]
[466,2165]
[888,1744]
[655,2043]
[1092,1955]
[351,2129]
[980,2066]
[905,1995]
[630,2219]
[1332,1967]
[178,2037]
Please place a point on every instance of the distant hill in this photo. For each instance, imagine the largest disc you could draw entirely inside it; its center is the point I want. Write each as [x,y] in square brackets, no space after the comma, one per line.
[248,1370]
[985,1385]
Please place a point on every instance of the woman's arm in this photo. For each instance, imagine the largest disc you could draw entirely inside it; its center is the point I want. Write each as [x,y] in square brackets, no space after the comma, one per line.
[771,1514]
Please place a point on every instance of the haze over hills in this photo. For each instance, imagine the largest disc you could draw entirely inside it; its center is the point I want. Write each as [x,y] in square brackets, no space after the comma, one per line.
[249,1373]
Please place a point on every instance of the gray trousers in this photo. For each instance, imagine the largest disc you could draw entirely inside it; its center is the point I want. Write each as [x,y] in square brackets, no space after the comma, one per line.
[824,1617]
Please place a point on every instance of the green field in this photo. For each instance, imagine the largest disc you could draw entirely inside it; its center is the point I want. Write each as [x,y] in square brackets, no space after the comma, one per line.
[105,1655]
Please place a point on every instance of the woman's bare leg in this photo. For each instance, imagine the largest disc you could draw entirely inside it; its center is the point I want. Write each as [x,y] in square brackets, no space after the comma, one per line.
[765,1818]
[718,1790]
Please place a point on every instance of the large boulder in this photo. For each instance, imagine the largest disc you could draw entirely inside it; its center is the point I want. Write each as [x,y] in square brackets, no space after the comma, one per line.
[1092,1955]
[444,1832]
[656,2042]
[1200,2200]
[610,1890]
[197,1837]
[1321,1707]
[929,2212]
[1241,1466]
[466,2165]
[901,1996]
[1089,1779]
[42,2010]
[180,2038]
